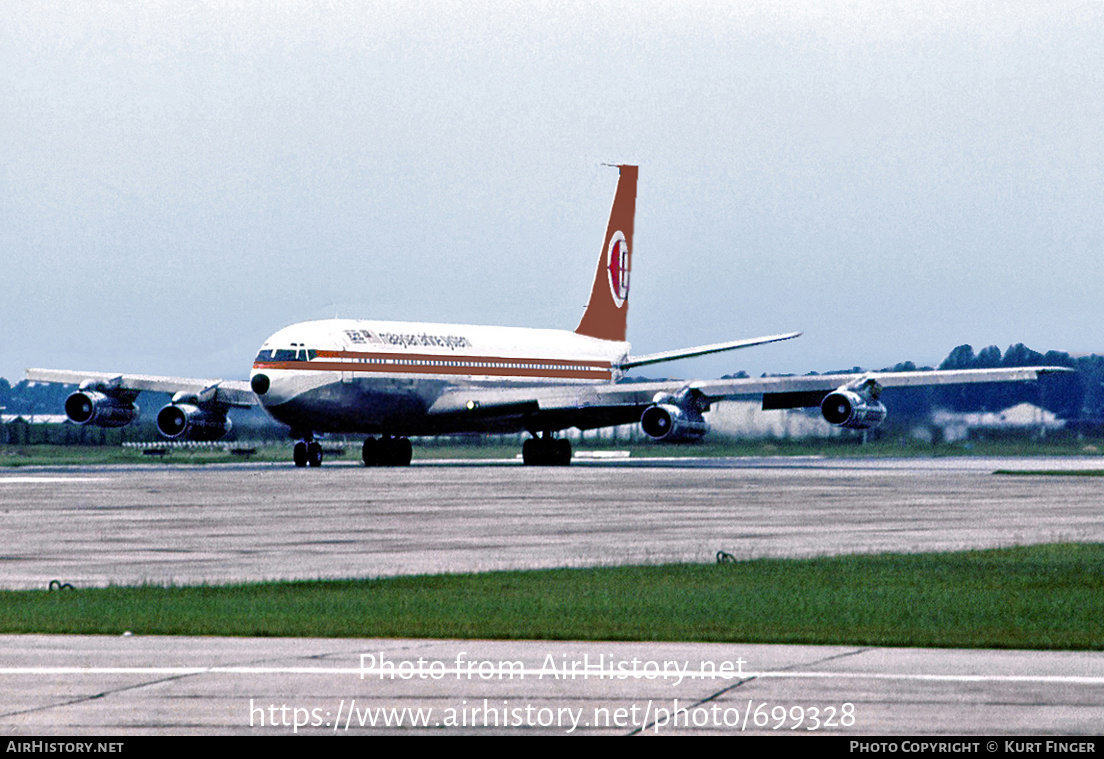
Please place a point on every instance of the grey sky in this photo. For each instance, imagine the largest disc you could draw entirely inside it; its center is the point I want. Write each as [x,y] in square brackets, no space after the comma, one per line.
[179,180]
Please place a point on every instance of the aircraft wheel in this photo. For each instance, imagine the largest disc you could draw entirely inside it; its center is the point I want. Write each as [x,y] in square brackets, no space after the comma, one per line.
[388,447]
[404,452]
[314,454]
[562,452]
[299,454]
[529,454]
[397,451]
[370,452]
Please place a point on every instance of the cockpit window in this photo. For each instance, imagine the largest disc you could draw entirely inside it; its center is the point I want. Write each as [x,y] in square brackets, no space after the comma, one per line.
[287,354]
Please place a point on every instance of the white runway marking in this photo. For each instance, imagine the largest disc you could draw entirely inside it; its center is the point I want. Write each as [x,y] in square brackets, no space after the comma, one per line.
[26,480]
[612,674]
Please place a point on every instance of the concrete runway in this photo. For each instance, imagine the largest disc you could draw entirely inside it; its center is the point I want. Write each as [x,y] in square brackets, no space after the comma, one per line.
[136,685]
[93,526]
[219,524]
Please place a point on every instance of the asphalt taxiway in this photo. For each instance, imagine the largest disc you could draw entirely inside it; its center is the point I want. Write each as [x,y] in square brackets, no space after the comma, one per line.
[161,524]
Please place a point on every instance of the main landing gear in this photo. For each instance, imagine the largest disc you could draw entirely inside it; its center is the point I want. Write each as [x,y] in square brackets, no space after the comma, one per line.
[387,451]
[546,451]
[384,451]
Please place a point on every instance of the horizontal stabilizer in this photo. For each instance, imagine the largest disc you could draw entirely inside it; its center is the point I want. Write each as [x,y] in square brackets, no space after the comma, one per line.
[702,350]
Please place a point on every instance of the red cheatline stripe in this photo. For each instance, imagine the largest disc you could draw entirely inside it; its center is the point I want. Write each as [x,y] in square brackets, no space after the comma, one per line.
[422,357]
[415,368]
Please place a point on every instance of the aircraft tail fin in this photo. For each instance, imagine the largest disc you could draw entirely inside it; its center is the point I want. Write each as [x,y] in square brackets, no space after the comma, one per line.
[606,313]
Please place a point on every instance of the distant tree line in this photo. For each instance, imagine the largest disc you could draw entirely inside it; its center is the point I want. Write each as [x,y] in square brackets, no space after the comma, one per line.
[1078,395]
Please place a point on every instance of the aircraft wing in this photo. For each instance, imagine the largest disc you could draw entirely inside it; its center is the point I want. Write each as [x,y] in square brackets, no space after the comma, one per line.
[813,384]
[591,406]
[226,392]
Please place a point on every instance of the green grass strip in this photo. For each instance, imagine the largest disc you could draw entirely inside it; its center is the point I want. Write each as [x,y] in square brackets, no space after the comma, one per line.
[1037,597]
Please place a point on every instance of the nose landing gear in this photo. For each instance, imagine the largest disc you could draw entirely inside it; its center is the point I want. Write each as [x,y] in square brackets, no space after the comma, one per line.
[307,453]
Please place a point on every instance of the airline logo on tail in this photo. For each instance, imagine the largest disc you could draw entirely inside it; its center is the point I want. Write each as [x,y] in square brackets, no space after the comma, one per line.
[618,268]
[607,309]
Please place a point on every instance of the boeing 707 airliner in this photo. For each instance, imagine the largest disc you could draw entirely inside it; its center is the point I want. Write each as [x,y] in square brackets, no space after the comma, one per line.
[392,380]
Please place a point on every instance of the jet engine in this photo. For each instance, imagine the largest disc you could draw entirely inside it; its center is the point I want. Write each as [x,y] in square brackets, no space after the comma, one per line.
[190,422]
[855,405]
[676,418]
[100,409]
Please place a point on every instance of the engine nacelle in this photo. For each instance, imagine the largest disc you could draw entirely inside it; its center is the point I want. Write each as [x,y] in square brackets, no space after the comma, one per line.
[665,421]
[847,408]
[100,409]
[183,420]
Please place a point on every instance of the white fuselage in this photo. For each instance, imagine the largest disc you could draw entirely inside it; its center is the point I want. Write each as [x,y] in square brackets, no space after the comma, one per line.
[343,375]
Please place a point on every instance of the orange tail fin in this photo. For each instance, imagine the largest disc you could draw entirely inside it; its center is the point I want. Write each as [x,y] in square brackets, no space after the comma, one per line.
[606,313]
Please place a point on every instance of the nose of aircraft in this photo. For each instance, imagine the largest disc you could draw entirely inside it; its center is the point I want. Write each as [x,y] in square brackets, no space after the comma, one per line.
[260,383]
